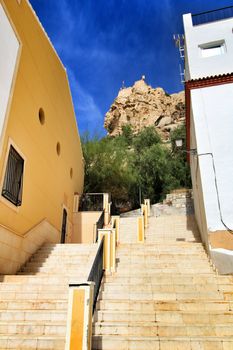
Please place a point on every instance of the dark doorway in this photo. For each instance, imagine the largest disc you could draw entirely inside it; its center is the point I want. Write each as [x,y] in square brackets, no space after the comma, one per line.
[63,228]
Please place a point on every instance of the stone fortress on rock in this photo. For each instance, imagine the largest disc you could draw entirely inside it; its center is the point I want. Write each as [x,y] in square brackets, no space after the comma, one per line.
[142,105]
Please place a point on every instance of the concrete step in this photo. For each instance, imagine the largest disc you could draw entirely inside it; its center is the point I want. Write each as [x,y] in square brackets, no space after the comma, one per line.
[161,330]
[170,317]
[75,275]
[113,342]
[58,269]
[165,250]
[162,258]
[178,288]
[25,295]
[63,260]
[163,265]
[155,253]
[155,306]
[63,255]
[69,246]
[42,279]
[138,296]
[172,239]
[36,287]
[33,315]
[30,342]
[163,246]
[34,265]
[33,328]
[32,304]
[170,279]
[139,259]
[150,270]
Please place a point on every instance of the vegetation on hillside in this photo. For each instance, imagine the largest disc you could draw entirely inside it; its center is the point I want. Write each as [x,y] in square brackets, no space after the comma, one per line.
[134,167]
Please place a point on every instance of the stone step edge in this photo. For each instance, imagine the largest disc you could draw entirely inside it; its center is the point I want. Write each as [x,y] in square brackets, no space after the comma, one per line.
[178,338]
[164,302]
[33,311]
[65,283]
[30,336]
[154,312]
[152,283]
[31,323]
[22,301]
[144,324]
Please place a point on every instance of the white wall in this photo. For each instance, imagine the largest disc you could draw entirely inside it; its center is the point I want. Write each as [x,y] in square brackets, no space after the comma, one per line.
[9,47]
[213,123]
[198,66]
[197,188]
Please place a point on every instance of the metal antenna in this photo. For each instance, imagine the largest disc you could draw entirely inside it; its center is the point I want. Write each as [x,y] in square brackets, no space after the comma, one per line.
[180,44]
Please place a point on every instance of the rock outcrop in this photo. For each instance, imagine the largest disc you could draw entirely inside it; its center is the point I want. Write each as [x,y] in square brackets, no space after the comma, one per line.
[141,105]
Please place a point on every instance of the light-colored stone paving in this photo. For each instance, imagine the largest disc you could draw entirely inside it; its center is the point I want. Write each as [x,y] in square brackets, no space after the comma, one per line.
[128,229]
[33,304]
[165,294]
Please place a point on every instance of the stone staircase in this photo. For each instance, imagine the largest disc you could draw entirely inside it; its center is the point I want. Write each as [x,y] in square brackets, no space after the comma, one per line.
[33,304]
[165,294]
[178,202]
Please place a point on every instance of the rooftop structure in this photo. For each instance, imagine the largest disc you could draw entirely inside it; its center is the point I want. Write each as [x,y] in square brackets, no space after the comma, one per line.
[208,44]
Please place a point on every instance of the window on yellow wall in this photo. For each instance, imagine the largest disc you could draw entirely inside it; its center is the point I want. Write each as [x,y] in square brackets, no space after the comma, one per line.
[13,180]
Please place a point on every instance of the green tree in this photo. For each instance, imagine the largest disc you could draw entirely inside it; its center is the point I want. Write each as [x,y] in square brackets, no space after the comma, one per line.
[179,165]
[125,164]
[146,138]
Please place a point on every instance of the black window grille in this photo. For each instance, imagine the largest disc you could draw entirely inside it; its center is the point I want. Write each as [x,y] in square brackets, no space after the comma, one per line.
[13,180]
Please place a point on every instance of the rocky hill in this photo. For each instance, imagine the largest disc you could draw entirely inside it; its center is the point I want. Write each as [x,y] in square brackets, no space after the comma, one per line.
[141,106]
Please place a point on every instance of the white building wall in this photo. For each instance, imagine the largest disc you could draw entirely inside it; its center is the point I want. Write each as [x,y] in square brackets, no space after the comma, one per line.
[213,123]
[9,47]
[197,188]
[197,66]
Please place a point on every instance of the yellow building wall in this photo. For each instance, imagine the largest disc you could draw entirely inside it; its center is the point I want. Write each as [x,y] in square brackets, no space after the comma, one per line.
[40,82]
[84,226]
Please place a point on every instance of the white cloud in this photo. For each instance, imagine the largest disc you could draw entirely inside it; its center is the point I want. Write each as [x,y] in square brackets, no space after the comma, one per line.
[87,111]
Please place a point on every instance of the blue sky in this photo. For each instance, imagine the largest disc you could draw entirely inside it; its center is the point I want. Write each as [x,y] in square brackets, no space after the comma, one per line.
[103,42]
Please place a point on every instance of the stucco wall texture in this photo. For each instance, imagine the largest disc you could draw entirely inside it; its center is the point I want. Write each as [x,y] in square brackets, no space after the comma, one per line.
[51,176]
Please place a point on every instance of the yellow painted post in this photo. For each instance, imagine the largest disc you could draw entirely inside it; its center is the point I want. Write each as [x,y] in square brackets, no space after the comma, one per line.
[113,250]
[79,318]
[109,248]
[106,209]
[141,232]
[105,201]
[142,209]
[106,233]
[145,216]
[147,203]
[117,227]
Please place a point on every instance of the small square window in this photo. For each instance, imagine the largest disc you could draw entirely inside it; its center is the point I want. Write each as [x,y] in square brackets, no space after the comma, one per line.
[13,180]
[213,49]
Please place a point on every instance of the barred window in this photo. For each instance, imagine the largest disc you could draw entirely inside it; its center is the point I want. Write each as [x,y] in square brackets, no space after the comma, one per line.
[13,180]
